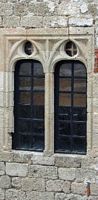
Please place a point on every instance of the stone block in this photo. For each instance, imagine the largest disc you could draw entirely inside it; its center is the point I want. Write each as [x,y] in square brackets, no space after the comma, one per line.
[20,8]
[16,182]
[82,174]
[16,169]
[22,157]
[94,189]
[2,168]
[33,184]
[6,156]
[6,8]
[31,21]
[5,182]
[43,171]
[13,194]
[60,196]
[54,21]
[80,21]
[78,188]
[38,9]
[68,162]
[67,174]
[42,160]
[1,194]
[8,22]
[58,186]
[1,81]
[40,195]
[1,99]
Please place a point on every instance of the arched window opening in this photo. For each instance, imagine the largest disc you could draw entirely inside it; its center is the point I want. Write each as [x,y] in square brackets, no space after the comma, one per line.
[28,106]
[70,103]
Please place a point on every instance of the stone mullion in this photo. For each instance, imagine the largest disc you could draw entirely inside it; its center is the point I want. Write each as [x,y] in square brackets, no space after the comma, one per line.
[48,114]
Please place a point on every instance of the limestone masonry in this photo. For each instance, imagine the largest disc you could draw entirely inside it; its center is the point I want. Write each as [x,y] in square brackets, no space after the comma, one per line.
[27,175]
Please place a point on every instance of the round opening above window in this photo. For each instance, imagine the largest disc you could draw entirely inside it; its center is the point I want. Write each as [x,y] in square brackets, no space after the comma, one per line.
[28,48]
[70,48]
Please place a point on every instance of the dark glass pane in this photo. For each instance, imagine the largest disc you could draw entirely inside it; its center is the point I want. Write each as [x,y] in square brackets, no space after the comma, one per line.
[28,48]
[79,85]
[65,69]
[24,126]
[79,145]
[64,99]
[64,128]
[71,48]
[38,98]
[25,69]
[38,143]
[38,69]
[70,107]
[64,113]
[65,84]
[38,127]
[24,111]
[63,145]
[79,114]
[80,100]
[38,84]
[25,83]
[25,98]
[25,142]
[79,70]
[79,128]
[38,112]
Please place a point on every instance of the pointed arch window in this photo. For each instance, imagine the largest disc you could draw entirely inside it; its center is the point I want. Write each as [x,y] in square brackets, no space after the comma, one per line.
[28,106]
[70,89]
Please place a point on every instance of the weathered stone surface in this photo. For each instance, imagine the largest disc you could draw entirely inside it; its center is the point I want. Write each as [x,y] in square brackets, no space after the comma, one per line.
[35,176]
[8,22]
[80,21]
[67,173]
[16,182]
[94,189]
[43,171]
[5,181]
[40,195]
[6,8]
[62,196]
[22,157]
[40,8]
[31,21]
[1,194]
[6,156]
[82,174]
[42,160]
[16,169]
[29,184]
[67,162]
[20,8]
[54,21]
[13,194]
[78,188]
[58,186]
[2,168]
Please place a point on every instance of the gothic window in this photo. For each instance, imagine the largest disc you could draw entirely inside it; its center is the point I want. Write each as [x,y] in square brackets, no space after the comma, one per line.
[70,102]
[28,106]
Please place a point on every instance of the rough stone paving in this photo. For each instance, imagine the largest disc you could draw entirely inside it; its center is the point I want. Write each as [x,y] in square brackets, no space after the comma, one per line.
[29,176]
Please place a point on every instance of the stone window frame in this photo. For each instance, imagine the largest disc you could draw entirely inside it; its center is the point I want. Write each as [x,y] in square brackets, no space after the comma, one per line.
[49,49]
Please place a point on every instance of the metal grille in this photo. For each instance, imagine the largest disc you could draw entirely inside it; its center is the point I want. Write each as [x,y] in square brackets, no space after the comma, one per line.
[70,107]
[29,106]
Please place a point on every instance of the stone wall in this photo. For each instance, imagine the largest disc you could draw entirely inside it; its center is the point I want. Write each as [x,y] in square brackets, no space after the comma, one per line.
[26,176]
[39,176]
